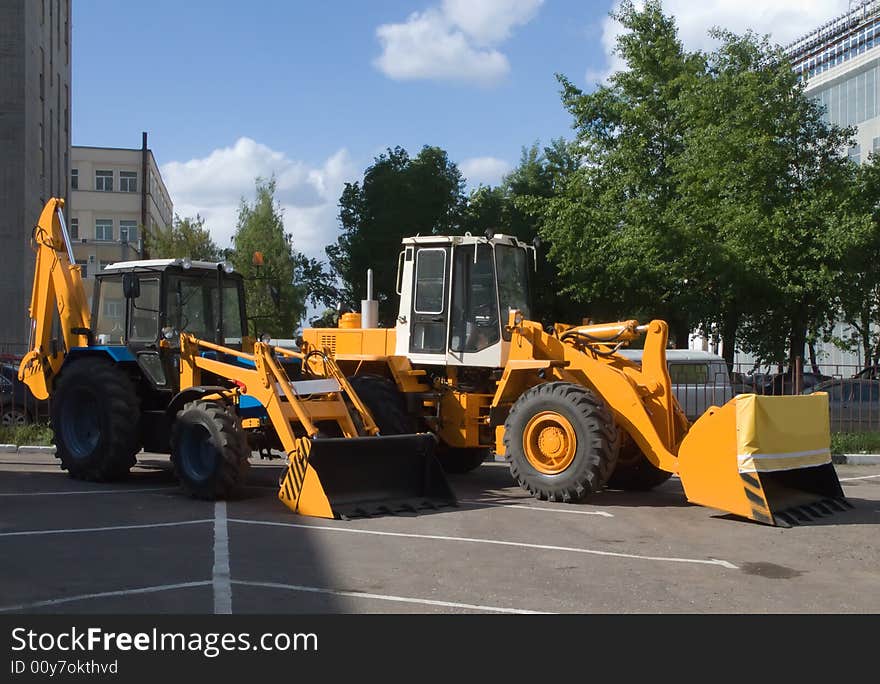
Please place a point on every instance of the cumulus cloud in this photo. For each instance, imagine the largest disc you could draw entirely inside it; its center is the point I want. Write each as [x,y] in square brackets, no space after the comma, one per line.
[783,20]
[456,41]
[484,170]
[213,186]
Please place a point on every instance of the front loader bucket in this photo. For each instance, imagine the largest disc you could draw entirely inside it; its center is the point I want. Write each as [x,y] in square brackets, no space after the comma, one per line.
[767,458]
[363,476]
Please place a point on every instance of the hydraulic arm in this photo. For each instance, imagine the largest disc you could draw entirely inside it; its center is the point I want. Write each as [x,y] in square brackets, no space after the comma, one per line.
[57,287]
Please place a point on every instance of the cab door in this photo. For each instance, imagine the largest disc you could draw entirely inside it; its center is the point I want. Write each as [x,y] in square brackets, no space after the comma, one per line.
[430,315]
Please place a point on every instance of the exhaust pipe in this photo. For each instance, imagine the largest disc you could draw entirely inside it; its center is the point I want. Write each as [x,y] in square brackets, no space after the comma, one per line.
[369,306]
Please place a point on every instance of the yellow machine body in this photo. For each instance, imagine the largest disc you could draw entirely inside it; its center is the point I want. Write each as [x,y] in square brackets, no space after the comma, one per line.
[762,458]
[357,474]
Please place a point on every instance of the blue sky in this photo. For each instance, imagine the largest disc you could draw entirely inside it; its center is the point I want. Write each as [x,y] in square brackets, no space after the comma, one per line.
[313,91]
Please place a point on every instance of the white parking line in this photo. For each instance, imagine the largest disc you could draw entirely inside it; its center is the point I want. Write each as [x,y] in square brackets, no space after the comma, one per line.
[473,503]
[103,594]
[863,477]
[92,491]
[384,597]
[220,576]
[76,530]
[473,540]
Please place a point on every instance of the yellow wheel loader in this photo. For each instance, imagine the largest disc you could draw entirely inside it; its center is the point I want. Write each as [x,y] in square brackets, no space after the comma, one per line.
[570,415]
[138,372]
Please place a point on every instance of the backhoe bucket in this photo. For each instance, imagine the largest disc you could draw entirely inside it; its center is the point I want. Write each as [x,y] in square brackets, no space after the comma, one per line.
[767,458]
[364,476]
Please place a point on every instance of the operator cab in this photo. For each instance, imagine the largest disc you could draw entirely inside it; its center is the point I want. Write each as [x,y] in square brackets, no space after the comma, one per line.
[144,306]
[455,295]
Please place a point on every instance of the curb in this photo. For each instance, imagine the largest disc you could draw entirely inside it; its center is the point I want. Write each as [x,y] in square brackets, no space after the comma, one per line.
[13,449]
[856,459]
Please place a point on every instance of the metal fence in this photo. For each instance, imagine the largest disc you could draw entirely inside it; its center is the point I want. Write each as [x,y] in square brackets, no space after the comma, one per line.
[853,391]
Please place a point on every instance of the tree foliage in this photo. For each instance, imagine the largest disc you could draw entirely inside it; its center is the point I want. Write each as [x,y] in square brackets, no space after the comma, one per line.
[709,192]
[399,196]
[275,297]
[612,225]
[185,237]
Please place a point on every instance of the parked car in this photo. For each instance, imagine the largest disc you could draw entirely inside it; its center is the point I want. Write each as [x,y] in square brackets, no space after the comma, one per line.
[699,379]
[854,404]
[17,405]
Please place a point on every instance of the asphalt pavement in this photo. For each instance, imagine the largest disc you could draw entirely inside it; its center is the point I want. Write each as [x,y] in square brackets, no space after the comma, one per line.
[141,546]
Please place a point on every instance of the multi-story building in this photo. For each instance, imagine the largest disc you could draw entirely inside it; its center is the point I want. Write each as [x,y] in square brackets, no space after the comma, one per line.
[115,196]
[839,63]
[34,143]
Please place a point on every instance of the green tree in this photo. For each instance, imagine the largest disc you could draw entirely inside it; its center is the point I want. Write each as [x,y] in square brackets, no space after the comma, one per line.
[858,284]
[399,196]
[275,302]
[611,223]
[761,181]
[185,237]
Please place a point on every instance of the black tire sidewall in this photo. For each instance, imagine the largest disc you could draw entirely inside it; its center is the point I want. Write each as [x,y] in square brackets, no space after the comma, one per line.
[117,442]
[587,467]
[384,402]
[230,466]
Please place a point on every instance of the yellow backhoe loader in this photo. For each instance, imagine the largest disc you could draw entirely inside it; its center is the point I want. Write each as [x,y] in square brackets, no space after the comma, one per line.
[570,415]
[139,372]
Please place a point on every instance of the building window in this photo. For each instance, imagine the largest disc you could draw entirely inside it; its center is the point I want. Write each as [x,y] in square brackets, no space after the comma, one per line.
[104,181]
[74,229]
[128,231]
[855,153]
[74,179]
[83,267]
[104,229]
[128,181]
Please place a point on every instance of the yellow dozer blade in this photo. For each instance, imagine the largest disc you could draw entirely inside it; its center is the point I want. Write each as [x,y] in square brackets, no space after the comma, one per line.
[355,477]
[767,458]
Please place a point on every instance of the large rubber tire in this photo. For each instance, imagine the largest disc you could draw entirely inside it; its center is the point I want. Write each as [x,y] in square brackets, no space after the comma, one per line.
[95,415]
[385,403]
[461,460]
[592,444]
[634,472]
[209,450]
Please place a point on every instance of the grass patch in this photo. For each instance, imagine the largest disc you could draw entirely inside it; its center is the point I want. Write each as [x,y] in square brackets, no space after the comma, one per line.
[855,443]
[26,435]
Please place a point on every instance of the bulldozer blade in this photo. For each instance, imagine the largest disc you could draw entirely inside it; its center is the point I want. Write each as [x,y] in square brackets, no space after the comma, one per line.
[365,476]
[767,458]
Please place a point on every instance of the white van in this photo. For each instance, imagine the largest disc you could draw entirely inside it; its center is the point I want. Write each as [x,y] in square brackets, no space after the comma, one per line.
[699,379]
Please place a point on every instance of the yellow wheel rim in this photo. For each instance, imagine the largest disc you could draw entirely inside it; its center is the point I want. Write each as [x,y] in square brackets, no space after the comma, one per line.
[549,442]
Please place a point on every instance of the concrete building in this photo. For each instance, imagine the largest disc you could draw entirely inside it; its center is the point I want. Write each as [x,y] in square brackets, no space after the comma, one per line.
[111,205]
[34,143]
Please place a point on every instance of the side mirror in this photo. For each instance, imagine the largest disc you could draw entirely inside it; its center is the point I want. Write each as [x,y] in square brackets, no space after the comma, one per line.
[131,286]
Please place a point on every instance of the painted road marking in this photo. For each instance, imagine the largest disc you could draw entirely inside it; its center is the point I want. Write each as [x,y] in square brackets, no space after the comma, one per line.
[221,576]
[474,503]
[863,477]
[385,597]
[473,540]
[103,594]
[93,491]
[76,530]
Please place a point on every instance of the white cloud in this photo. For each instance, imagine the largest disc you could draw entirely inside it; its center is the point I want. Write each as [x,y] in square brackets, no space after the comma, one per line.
[484,170]
[214,185]
[783,20]
[453,42]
